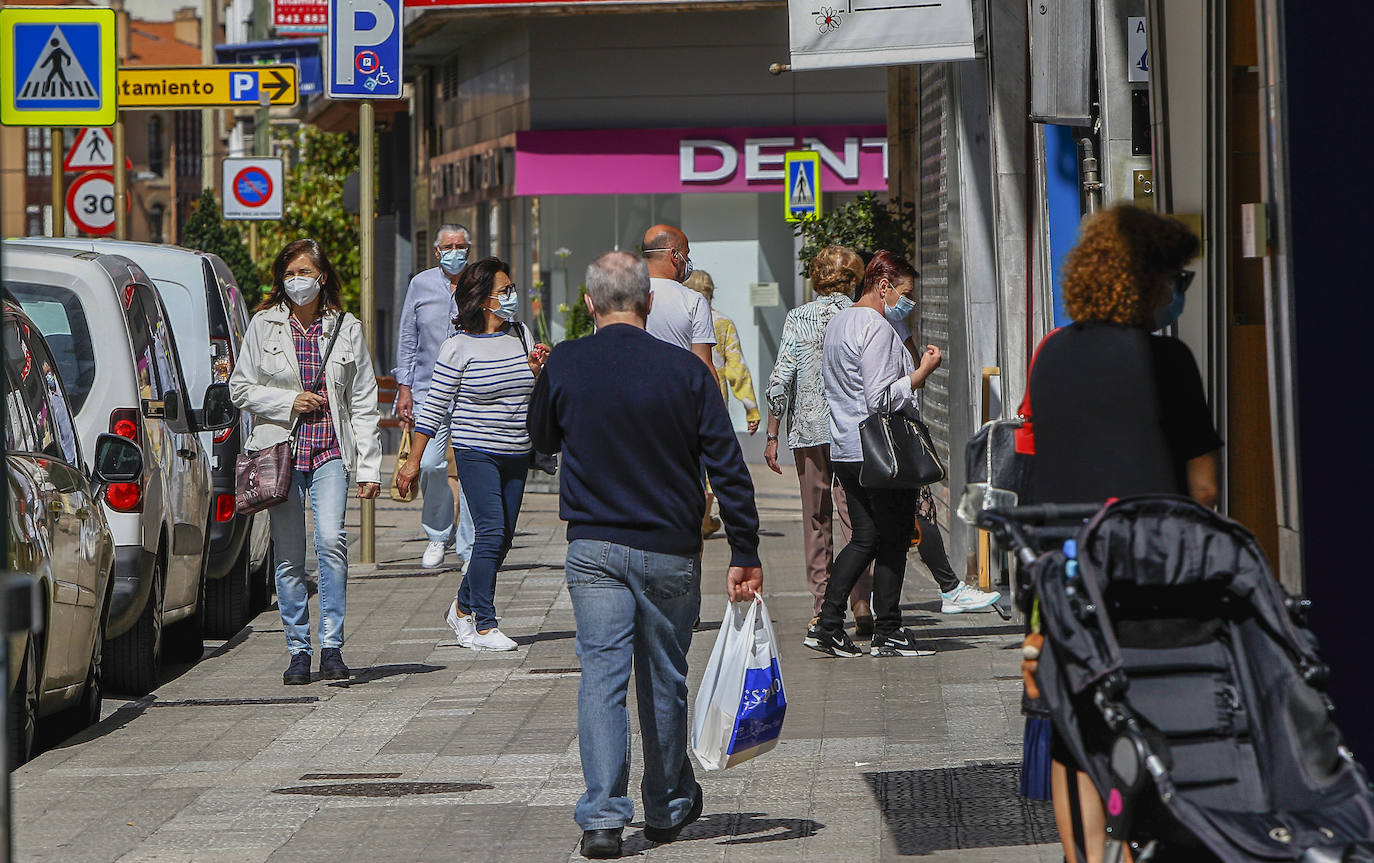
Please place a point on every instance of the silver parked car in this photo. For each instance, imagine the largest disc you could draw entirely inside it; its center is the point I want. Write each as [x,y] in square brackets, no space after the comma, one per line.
[58,535]
[113,343]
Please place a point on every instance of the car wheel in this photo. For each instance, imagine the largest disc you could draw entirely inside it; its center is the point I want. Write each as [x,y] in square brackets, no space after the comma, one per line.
[135,657]
[264,581]
[186,638]
[226,599]
[23,706]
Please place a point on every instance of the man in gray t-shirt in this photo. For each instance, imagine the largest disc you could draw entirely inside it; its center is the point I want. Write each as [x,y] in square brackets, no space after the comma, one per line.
[679,316]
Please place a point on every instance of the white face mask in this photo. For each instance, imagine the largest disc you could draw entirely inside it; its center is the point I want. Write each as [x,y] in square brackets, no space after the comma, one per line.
[302,289]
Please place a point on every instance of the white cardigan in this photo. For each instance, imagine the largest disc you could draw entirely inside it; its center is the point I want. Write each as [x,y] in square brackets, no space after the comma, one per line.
[267,379]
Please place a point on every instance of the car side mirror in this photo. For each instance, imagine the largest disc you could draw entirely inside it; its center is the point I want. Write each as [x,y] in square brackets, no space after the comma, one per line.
[117,459]
[217,411]
[174,412]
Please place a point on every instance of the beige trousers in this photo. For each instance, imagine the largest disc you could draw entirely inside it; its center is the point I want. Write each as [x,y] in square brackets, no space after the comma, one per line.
[821,499]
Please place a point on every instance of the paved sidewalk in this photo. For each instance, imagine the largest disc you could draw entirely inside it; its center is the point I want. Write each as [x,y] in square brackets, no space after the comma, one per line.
[436,753]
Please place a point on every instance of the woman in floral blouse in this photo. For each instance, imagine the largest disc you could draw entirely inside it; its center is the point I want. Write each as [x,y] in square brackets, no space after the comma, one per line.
[795,388]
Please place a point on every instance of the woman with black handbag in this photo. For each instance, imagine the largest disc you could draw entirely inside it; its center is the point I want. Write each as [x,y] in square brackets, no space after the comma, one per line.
[867,371]
[305,376]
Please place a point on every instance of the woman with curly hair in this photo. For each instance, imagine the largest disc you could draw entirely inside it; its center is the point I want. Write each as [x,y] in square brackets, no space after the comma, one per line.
[1118,411]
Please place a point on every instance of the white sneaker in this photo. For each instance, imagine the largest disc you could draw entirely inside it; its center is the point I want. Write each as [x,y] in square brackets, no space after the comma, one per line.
[461,624]
[494,639]
[965,598]
[433,556]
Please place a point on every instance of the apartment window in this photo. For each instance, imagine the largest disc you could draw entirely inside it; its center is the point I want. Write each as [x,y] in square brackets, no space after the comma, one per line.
[156,219]
[155,149]
[37,156]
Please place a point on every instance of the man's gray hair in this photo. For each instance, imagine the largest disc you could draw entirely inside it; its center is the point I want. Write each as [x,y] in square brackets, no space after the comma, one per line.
[619,282]
[452,228]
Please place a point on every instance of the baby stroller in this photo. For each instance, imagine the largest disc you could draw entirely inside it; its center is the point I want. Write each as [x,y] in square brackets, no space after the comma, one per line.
[1186,683]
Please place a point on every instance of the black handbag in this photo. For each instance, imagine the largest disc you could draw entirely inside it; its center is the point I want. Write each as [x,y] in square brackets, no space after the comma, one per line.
[898,451]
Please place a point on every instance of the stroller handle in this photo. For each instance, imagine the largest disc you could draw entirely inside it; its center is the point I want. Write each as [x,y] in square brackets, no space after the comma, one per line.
[1013,525]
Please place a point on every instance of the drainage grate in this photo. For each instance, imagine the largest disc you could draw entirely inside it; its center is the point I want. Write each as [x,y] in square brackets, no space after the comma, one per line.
[316,777]
[573,670]
[383,789]
[236,702]
[960,807]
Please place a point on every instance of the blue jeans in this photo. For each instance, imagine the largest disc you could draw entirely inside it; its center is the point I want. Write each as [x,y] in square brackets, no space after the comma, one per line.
[437,515]
[327,486]
[493,486]
[633,607]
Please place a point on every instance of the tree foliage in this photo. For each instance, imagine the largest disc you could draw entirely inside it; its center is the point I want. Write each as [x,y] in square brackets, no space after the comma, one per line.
[866,225]
[577,322]
[206,231]
[313,206]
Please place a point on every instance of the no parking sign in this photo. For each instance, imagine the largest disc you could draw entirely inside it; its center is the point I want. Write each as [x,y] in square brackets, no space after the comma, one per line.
[252,189]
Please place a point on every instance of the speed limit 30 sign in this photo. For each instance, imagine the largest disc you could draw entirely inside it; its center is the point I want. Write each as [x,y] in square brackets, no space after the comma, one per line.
[90,203]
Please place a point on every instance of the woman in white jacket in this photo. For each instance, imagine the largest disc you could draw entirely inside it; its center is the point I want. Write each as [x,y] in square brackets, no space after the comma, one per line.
[282,353]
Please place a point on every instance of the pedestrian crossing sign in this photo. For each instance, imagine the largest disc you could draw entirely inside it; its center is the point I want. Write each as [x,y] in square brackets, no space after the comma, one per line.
[802,195]
[57,66]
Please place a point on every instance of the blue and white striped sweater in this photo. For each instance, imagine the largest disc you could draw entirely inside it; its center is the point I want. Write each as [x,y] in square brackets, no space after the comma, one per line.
[481,387]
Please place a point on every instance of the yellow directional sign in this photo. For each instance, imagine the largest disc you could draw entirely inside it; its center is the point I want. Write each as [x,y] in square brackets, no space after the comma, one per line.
[57,67]
[206,86]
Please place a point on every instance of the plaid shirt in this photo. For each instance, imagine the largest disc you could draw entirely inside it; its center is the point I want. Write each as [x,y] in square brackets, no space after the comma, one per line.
[316,441]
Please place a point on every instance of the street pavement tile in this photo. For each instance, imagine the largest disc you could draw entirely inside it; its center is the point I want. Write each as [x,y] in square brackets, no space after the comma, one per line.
[183,776]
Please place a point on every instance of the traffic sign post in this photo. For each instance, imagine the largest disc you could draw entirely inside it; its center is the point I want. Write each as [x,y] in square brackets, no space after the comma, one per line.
[252,189]
[149,87]
[91,203]
[802,194]
[57,66]
[364,58]
[364,49]
[59,197]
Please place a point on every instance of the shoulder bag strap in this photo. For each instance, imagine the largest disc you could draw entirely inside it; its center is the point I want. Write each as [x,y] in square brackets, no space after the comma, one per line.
[319,376]
[1025,435]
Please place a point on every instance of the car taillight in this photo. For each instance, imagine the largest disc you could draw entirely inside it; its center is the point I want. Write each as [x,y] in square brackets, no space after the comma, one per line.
[224,507]
[124,422]
[221,361]
[124,496]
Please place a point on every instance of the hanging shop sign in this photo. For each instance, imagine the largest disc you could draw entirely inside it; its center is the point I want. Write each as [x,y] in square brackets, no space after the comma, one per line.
[688,161]
[830,34]
[301,16]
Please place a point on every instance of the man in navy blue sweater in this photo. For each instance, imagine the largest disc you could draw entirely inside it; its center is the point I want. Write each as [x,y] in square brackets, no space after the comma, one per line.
[636,418]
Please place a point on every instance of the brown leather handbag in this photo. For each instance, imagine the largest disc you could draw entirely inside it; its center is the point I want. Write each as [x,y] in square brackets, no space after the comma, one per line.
[262,478]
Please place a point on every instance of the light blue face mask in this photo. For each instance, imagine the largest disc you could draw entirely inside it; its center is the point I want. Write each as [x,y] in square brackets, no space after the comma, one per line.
[1166,315]
[897,314]
[510,305]
[452,261]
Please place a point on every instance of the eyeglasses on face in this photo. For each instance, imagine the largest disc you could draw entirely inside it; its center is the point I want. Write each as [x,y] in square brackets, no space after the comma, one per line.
[507,291]
[450,246]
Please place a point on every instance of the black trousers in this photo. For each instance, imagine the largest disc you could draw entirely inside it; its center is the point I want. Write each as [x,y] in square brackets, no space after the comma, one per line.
[932,550]
[882,522]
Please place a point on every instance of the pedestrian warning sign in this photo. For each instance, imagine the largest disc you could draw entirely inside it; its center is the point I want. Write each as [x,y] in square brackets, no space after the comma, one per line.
[93,148]
[802,196]
[57,66]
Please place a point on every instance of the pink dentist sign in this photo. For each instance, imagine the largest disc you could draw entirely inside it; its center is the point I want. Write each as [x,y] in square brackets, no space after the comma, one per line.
[685,161]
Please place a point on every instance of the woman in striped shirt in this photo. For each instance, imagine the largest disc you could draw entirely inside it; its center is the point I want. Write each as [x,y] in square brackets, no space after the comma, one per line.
[482,383]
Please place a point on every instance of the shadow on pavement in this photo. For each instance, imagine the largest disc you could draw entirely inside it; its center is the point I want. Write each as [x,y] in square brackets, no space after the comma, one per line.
[552,635]
[379,672]
[110,724]
[741,828]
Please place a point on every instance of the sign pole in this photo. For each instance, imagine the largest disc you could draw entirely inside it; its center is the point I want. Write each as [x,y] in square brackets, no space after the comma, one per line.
[121,184]
[59,193]
[207,115]
[253,241]
[367,259]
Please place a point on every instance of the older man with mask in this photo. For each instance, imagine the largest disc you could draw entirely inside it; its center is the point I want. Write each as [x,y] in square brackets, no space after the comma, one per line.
[631,495]
[681,316]
[426,321]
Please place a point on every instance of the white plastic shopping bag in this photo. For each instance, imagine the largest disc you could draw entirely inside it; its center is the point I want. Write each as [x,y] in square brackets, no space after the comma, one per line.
[741,703]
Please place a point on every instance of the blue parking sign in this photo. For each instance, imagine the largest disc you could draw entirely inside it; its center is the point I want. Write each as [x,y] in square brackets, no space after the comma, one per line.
[365,49]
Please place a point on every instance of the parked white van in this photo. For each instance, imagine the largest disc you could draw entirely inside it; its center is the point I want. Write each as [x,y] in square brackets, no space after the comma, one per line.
[110,336]
[209,318]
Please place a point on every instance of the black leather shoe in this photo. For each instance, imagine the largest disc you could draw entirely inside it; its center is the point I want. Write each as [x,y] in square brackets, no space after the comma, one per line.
[601,844]
[669,834]
[332,665]
[298,672]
